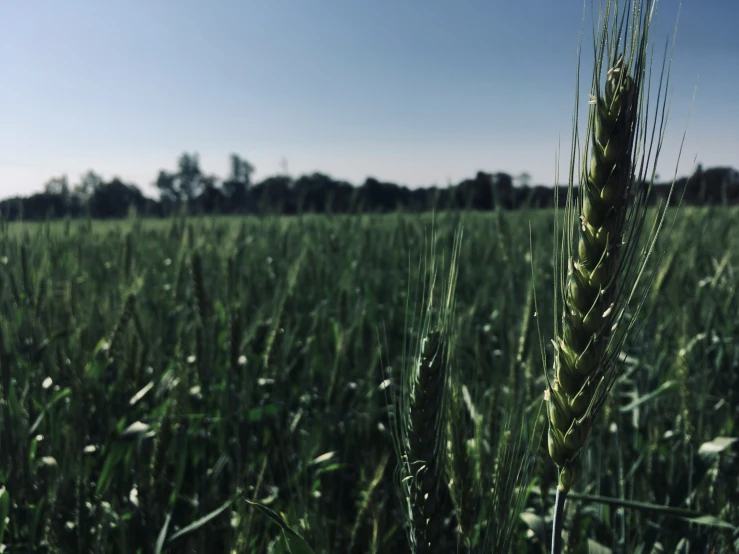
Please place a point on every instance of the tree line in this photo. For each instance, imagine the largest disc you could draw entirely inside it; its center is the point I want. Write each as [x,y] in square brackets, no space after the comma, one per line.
[200,193]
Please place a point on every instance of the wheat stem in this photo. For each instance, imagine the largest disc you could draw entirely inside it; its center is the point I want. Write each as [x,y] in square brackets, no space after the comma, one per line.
[559,511]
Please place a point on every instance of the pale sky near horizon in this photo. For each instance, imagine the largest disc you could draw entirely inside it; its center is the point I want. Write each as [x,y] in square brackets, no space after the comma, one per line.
[410,91]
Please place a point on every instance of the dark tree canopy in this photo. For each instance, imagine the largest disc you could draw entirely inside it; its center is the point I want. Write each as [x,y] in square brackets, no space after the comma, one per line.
[199,193]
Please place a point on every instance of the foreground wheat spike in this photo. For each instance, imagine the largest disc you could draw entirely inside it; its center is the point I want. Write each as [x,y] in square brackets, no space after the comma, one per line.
[592,283]
[601,236]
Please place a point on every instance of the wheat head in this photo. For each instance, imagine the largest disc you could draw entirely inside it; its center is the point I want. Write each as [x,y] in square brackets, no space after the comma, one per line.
[601,235]
[427,435]
[422,410]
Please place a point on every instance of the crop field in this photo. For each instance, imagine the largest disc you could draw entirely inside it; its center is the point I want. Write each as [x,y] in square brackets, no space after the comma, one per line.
[235,384]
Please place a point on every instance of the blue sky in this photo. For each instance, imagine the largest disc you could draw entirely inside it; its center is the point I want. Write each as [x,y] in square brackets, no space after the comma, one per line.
[416,92]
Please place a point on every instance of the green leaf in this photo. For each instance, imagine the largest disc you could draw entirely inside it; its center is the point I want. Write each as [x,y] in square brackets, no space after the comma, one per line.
[220,312]
[4,510]
[137,430]
[197,524]
[116,454]
[597,548]
[710,521]
[13,404]
[162,534]
[710,451]
[38,510]
[181,466]
[257,414]
[62,394]
[139,395]
[329,468]
[295,543]
[537,524]
[686,514]
[664,387]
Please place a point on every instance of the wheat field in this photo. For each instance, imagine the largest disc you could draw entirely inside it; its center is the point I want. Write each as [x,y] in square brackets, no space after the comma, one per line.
[227,385]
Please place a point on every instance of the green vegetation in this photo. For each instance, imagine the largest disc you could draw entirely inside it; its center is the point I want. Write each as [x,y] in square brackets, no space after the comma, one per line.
[157,378]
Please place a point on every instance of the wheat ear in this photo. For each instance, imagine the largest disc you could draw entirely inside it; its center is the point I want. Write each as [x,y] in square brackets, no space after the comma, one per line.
[592,284]
[422,411]
[601,235]
[427,435]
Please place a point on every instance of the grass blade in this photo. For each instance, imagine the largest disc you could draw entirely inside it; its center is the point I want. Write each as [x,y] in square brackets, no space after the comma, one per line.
[197,524]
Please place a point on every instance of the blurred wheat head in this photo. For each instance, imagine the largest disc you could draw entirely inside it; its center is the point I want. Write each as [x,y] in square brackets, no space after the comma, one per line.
[421,408]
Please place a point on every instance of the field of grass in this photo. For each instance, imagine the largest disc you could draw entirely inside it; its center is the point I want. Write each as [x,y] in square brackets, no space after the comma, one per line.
[158,376]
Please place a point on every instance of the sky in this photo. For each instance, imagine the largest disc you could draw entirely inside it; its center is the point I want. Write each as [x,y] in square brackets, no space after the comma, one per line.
[417,92]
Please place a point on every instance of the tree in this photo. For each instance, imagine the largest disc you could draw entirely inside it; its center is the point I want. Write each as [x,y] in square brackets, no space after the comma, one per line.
[210,199]
[273,195]
[524,179]
[186,184]
[241,170]
[477,193]
[236,187]
[58,194]
[114,199]
[189,179]
[166,184]
[57,185]
[88,184]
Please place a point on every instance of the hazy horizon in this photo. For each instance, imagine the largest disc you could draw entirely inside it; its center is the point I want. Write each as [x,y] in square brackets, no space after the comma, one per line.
[416,96]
